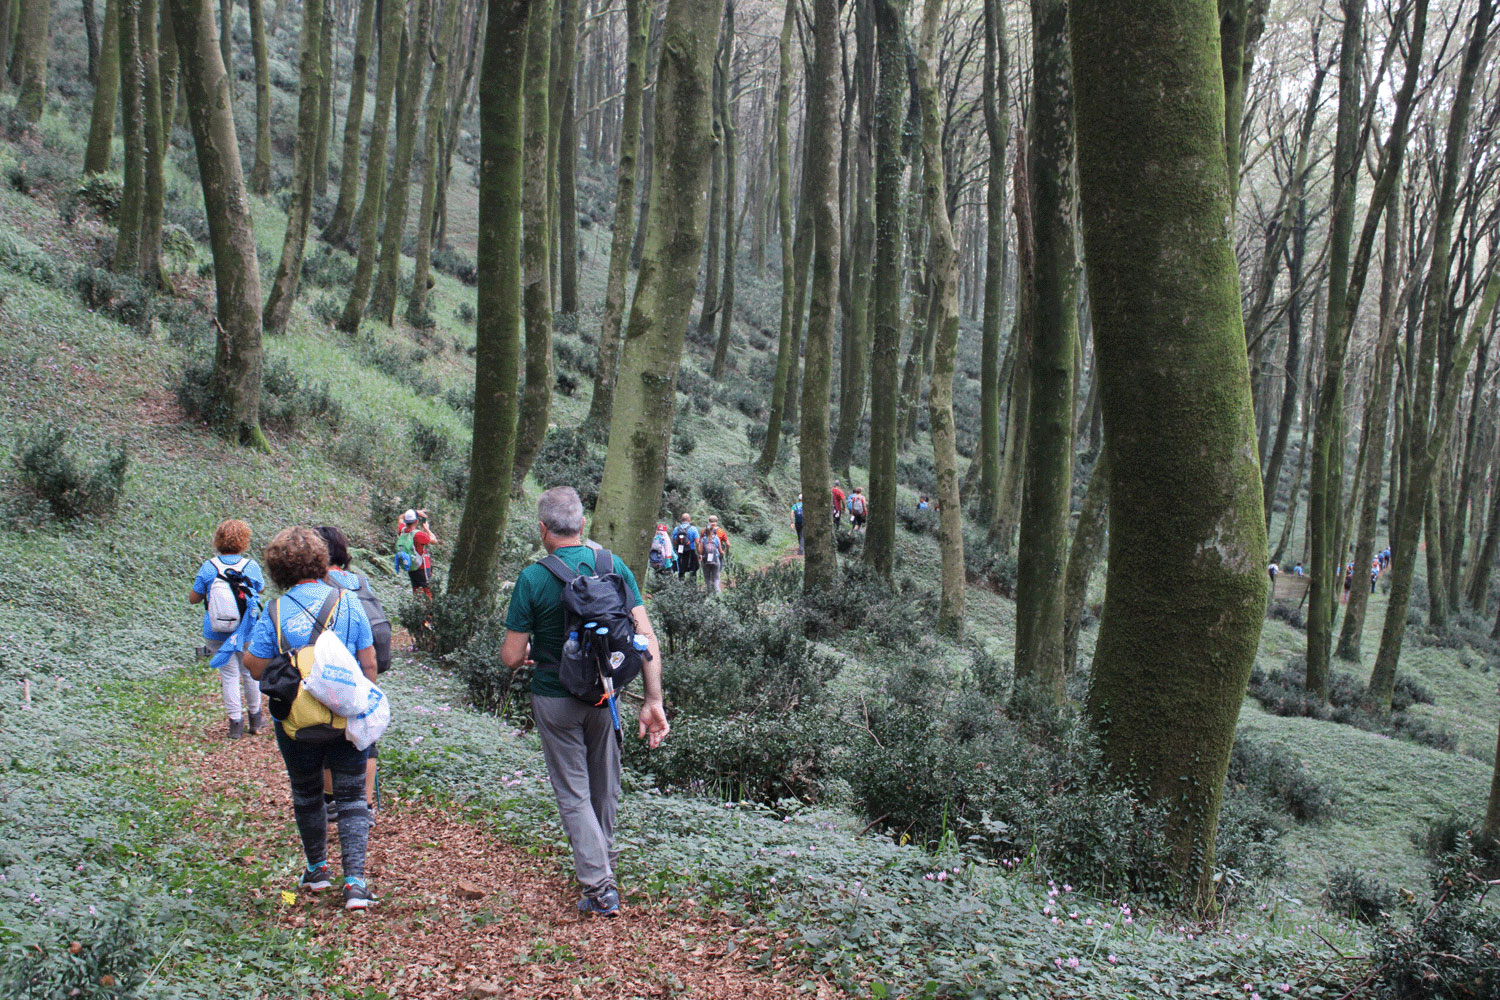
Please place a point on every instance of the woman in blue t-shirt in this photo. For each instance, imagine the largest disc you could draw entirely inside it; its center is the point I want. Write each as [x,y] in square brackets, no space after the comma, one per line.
[241,693]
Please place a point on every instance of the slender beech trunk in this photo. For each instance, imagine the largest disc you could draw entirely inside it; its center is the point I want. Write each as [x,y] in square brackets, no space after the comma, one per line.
[106,94]
[383,296]
[536,243]
[325,102]
[437,95]
[601,406]
[1489,831]
[133,130]
[562,170]
[237,355]
[785,350]
[1477,595]
[640,427]
[730,226]
[715,194]
[260,174]
[1042,556]
[498,327]
[1012,471]
[1174,652]
[33,44]
[648,137]
[289,270]
[154,135]
[996,99]
[226,35]
[1292,503]
[1083,556]
[337,230]
[91,38]
[1426,446]
[393,23]
[170,75]
[1437,600]
[942,320]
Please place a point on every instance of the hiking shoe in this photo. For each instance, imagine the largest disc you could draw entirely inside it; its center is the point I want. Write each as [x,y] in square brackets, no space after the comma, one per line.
[605,904]
[315,878]
[236,729]
[357,895]
[259,723]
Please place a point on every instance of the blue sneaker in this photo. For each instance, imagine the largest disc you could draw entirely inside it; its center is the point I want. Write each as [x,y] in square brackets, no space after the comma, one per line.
[605,904]
[315,877]
[357,895]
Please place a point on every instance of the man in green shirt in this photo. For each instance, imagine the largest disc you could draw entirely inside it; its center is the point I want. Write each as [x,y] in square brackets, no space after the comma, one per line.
[578,739]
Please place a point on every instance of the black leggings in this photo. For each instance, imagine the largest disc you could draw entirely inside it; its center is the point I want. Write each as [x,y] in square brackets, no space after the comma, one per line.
[305,763]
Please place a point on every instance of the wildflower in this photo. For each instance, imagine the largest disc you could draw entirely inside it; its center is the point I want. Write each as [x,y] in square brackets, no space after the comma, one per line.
[1072,963]
[1089,922]
[1067,888]
[1057,962]
[1113,960]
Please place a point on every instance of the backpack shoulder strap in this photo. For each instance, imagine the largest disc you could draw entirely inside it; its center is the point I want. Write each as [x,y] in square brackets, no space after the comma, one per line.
[559,569]
[218,566]
[603,558]
[276,618]
[326,613]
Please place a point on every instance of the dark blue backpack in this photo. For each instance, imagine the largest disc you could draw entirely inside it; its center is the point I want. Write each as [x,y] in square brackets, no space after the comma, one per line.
[602,599]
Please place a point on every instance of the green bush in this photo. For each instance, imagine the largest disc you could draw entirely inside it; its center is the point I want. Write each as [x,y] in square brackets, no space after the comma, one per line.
[327,267]
[570,458]
[1283,692]
[1272,774]
[445,622]
[429,443]
[984,563]
[465,314]
[490,685]
[449,260]
[1360,896]
[119,296]
[97,194]
[108,955]
[29,262]
[73,487]
[287,403]
[683,442]
[1446,948]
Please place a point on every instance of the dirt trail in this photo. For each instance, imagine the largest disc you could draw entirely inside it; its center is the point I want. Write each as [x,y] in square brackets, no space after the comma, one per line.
[465,915]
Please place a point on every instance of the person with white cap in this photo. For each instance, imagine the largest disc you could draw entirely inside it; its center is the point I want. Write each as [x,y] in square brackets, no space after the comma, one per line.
[414,536]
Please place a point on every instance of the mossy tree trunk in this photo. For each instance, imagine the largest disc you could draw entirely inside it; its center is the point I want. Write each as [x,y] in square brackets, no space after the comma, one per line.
[260,174]
[730,228]
[641,424]
[170,75]
[437,93]
[601,406]
[127,258]
[714,241]
[1083,556]
[1007,511]
[337,230]
[226,36]
[996,100]
[885,308]
[1043,552]
[1175,651]
[498,326]
[942,319]
[210,104]
[536,245]
[820,565]
[154,133]
[383,297]
[289,270]
[784,349]
[325,103]
[648,134]
[562,156]
[33,45]
[106,94]
[393,23]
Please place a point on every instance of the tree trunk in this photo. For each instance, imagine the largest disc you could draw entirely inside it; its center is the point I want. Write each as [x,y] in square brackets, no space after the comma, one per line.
[91,39]
[260,174]
[562,175]
[325,103]
[996,98]
[640,427]
[337,230]
[106,95]
[498,327]
[33,44]
[942,320]
[648,138]
[729,226]
[1042,556]
[1083,555]
[393,23]
[1477,595]
[237,357]
[437,95]
[383,297]
[1174,651]
[715,194]
[289,270]
[154,134]
[170,77]
[133,130]
[802,251]
[226,35]
[536,242]
[1007,503]
[601,406]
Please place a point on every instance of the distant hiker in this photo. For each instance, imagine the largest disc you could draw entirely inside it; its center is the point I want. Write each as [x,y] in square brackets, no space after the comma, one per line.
[797,521]
[1374,573]
[414,538]
[859,509]
[685,544]
[838,504]
[1272,570]
[1348,582]
[380,631]
[713,549]
[1297,569]
[581,740]
[228,583]
[297,560]
[923,503]
[663,555]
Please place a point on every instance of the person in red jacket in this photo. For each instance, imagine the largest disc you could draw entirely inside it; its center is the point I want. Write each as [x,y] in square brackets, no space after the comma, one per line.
[838,505]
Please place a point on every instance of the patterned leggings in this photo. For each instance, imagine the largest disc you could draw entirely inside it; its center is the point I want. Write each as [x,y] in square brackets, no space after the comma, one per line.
[305,763]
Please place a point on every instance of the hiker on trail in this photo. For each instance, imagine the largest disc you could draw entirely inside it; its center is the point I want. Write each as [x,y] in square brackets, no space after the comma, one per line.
[663,555]
[713,550]
[923,503]
[297,560]
[581,740]
[685,544]
[1348,582]
[859,509]
[1374,573]
[1297,569]
[228,584]
[358,584]
[1273,569]
[414,536]
[838,505]
[797,521]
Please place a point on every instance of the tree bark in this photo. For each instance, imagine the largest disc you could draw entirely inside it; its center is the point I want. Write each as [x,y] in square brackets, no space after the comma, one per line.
[730,229]
[601,406]
[106,94]
[260,174]
[154,134]
[996,98]
[383,297]
[91,37]
[226,35]
[337,230]
[237,356]
[1002,528]
[437,95]
[1174,652]
[33,44]
[325,103]
[715,194]
[310,83]
[648,138]
[562,175]
[498,327]
[1083,556]
[641,425]
[1042,557]
[127,258]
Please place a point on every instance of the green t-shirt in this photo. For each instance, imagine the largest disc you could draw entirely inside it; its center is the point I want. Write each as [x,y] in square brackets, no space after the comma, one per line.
[536,608]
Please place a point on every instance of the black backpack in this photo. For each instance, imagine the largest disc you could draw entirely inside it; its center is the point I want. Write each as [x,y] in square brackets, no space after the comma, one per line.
[602,599]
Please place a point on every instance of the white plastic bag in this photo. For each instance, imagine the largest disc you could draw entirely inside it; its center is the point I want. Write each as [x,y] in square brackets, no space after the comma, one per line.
[337,681]
[367,726]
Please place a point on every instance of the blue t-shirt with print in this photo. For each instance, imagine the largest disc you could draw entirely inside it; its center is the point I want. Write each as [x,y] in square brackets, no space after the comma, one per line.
[298,606]
[205,577]
[686,535]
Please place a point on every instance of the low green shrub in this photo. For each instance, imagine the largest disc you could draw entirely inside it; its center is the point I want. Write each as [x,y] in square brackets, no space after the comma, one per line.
[97,194]
[287,403]
[569,458]
[445,622]
[29,262]
[1283,692]
[489,684]
[1446,947]
[429,443]
[1359,896]
[121,297]
[449,260]
[73,486]
[984,563]
[1272,774]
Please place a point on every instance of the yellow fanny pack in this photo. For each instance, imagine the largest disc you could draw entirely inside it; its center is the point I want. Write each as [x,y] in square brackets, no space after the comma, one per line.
[308,716]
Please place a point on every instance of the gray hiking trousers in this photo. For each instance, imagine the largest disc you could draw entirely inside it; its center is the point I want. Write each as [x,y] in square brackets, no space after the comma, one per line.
[583,764]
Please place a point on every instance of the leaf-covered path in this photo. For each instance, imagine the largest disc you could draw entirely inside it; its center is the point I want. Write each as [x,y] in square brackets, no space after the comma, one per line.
[465,915]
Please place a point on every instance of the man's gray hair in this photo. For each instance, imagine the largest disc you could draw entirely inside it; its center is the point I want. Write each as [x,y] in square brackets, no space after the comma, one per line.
[561,511]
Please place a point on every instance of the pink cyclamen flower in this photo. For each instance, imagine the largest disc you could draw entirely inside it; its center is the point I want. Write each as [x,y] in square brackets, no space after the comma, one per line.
[1072,963]
[1113,960]
[1057,962]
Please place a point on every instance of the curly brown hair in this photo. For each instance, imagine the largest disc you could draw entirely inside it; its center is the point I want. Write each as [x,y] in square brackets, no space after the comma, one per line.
[231,537]
[294,555]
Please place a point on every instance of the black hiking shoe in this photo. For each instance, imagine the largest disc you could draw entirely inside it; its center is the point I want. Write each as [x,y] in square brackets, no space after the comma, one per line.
[315,878]
[357,895]
[605,904]
[236,729]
